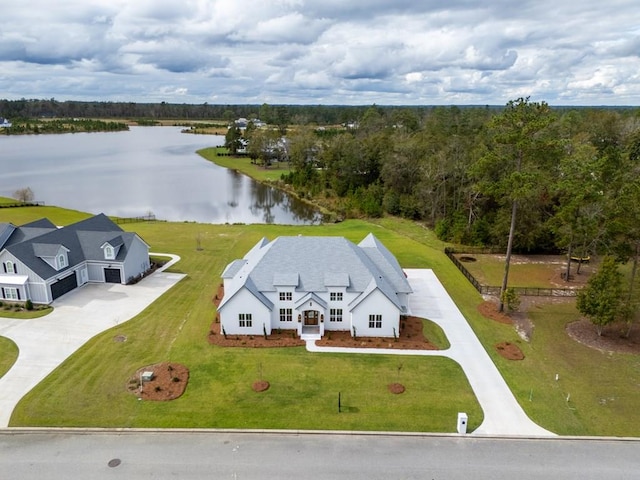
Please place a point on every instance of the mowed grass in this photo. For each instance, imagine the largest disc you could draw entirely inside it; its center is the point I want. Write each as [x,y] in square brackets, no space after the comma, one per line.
[524,271]
[8,355]
[244,165]
[90,388]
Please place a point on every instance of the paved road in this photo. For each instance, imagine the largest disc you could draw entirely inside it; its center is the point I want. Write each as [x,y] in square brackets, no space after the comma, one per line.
[44,343]
[311,456]
[502,412]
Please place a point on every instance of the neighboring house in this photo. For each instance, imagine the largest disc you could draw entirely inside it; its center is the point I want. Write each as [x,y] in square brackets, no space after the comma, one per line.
[41,262]
[315,285]
[4,122]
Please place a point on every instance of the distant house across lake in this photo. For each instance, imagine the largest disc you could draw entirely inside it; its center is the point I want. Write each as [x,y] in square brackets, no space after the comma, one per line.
[4,122]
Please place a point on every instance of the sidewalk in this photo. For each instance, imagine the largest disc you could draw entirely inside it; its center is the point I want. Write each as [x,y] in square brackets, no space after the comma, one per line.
[502,413]
[45,342]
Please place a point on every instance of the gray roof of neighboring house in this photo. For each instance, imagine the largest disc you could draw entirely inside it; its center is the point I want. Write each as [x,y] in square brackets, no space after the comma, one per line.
[6,230]
[315,264]
[83,240]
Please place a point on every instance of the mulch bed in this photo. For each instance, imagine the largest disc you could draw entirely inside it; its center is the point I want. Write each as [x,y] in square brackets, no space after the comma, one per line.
[410,338]
[613,338]
[396,388]
[489,309]
[168,383]
[509,351]
[260,386]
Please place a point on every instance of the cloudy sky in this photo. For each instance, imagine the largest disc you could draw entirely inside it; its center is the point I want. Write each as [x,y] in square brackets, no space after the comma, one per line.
[389,52]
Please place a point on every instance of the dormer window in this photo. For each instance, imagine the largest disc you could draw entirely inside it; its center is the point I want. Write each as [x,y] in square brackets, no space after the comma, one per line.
[9,267]
[109,252]
[62,261]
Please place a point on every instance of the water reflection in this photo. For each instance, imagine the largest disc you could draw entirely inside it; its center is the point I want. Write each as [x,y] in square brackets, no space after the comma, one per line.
[148,169]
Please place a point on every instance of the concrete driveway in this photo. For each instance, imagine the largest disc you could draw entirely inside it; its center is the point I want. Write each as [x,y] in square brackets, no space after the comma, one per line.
[503,415]
[45,342]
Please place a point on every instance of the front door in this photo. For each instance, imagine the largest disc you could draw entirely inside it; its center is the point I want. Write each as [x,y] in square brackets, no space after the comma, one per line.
[311,317]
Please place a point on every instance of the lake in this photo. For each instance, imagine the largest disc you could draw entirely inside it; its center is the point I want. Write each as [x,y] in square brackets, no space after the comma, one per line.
[145,170]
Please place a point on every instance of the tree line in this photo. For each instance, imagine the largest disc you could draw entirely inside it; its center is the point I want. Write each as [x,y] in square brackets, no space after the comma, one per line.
[527,177]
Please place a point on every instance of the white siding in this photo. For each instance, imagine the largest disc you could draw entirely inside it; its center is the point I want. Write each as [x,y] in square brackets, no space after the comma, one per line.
[244,302]
[376,304]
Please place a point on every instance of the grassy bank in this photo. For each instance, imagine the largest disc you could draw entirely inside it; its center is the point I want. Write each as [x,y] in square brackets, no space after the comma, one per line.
[90,388]
[244,165]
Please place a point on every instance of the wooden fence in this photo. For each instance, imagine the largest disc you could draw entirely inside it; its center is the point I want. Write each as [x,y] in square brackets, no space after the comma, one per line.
[493,290]
[146,218]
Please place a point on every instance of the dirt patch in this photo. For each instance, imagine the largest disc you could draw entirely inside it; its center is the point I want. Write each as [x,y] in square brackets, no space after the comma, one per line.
[509,351]
[396,388]
[169,381]
[613,338]
[410,338]
[260,386]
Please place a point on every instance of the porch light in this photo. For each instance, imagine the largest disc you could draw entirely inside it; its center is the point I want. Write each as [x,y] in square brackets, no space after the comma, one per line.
[321,317]
[299,318]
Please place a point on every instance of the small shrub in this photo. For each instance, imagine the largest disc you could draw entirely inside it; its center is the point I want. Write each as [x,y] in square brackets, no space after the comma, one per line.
[175,379]
[158,388]
[28,304]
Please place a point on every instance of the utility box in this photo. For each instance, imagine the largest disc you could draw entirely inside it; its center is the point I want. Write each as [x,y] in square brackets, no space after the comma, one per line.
[462,423]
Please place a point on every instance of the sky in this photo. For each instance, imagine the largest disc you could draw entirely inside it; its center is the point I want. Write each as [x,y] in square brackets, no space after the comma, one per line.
[345,52]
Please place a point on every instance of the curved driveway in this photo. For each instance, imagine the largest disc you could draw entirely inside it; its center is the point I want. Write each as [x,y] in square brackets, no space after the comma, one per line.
[502,413]
[45,342]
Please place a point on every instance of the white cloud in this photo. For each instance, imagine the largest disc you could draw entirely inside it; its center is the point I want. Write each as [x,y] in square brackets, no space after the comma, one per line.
[322,51]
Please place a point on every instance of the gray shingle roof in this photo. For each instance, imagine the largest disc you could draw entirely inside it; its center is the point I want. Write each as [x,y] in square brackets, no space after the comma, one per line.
[82,240]
[318,263]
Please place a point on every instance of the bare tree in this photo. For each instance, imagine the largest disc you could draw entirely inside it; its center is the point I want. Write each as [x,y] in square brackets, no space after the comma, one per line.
[24,194]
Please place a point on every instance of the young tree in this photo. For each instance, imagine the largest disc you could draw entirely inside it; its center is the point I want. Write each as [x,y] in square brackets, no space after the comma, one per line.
[601,300]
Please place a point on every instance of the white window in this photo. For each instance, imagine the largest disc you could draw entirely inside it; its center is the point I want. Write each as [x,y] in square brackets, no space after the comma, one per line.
[335,314]
[375,321]
[244,320]
[286,296]
[9,267]
[11,293]
[62,261]
[286,315]
[335,296]
[109,253]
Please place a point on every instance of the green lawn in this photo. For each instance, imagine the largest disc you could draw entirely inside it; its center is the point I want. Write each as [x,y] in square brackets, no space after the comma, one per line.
[524,271]
[89,389]
[38,311]
[244,165]
[8,355]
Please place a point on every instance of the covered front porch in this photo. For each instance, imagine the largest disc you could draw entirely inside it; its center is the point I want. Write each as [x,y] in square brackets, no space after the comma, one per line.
[311,312]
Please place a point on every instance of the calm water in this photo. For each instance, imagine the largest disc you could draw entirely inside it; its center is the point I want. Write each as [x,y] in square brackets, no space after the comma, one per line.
[145,170]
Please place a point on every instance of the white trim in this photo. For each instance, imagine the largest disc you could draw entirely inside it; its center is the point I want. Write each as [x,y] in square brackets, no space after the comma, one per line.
[13,279]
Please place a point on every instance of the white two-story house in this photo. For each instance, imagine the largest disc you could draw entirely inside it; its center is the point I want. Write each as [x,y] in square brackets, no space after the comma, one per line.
[315,285]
